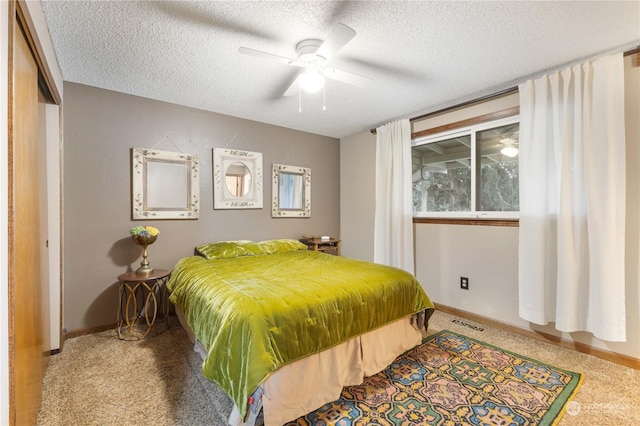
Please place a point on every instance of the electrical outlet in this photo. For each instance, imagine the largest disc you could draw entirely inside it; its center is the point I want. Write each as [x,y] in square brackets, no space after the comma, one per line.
[464,283]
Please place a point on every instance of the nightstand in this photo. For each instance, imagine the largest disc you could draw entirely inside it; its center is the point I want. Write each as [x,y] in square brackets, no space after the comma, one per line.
[141,299]
[318,244]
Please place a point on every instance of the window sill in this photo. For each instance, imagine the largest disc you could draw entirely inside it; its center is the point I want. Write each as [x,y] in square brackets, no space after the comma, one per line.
[480,222]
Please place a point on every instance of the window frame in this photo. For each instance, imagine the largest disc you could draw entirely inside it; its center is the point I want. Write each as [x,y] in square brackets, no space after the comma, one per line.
[471,131]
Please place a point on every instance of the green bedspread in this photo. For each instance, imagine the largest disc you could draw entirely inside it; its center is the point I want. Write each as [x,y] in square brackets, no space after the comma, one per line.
[255,314]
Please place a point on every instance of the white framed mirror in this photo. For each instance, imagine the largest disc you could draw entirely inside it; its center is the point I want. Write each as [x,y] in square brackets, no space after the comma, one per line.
[237,178]
[165,185]
[291,191]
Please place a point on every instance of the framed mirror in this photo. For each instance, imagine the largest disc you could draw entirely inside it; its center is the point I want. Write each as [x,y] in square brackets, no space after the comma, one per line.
[237,178]
[165,185]
[291,191]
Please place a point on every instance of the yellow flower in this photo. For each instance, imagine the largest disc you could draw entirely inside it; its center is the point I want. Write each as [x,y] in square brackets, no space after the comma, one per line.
[152,231]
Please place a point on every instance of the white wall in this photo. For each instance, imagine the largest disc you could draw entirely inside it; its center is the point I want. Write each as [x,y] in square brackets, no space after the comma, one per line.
[357,195]
[632,263]
[54,179]
[487,255]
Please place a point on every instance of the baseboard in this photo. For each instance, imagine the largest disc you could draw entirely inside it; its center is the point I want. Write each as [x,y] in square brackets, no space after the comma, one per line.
[556,340]
[84,331]
[97,329]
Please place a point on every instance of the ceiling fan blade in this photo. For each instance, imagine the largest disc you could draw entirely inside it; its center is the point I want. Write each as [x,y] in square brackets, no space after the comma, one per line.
[293,88]
[265,55]
[340,36]
[347,77]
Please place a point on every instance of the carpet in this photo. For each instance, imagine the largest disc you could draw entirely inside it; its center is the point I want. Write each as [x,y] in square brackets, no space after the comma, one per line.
[451,379]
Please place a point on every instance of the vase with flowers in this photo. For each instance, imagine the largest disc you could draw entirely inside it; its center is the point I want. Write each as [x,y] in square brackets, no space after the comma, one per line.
[144,236]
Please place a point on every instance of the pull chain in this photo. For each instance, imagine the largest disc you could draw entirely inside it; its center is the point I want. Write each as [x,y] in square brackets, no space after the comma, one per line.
[324,99]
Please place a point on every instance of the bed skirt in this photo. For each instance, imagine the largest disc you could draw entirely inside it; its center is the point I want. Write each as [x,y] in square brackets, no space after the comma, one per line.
[307,384]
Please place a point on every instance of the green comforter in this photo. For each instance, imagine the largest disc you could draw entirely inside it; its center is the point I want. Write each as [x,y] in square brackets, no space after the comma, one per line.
[255,314]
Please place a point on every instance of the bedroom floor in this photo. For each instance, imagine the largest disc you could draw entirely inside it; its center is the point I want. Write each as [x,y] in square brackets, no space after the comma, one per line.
[98,380]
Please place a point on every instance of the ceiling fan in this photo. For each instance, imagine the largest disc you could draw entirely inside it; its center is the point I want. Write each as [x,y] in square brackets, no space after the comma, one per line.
[510,144]
[312,59]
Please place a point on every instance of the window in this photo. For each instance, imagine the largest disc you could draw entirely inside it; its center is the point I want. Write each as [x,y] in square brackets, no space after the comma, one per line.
[468,172]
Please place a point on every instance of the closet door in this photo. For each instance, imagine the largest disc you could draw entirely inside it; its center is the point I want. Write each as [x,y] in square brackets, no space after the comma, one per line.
[28,303]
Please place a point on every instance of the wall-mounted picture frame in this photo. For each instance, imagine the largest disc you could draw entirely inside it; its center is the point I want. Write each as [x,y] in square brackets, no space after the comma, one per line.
[237,179]
[165,185]
[291,191]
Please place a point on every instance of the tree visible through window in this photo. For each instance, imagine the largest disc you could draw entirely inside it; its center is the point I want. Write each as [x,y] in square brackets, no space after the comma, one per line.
[467,171]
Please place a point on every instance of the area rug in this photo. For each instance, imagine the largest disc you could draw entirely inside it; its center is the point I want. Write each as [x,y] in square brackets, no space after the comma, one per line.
[451,379]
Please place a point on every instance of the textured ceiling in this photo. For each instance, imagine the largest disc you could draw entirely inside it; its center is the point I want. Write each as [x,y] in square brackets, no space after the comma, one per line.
[421,55]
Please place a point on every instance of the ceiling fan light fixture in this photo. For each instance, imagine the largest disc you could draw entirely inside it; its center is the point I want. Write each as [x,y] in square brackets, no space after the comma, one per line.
[311,81]
[509,149]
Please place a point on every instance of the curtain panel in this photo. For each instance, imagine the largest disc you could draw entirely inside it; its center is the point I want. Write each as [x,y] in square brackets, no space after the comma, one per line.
[393,220]
[572,199]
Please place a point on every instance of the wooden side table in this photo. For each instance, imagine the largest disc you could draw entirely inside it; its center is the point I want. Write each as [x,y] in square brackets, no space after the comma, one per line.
[139,304]
[318,244]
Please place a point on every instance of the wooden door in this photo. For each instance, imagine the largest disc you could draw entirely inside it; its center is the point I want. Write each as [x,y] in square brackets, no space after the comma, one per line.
[28,303]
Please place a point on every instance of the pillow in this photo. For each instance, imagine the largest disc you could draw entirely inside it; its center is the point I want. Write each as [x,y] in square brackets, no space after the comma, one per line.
[228,249]
[281,246]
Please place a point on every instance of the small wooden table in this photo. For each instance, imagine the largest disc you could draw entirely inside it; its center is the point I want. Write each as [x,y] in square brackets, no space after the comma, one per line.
[318,244]
[138,303]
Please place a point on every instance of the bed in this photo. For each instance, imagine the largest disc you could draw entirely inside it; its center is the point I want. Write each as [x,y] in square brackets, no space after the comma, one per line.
[283,328]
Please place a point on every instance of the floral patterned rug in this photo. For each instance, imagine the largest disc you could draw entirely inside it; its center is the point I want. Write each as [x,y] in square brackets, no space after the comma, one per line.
[451,379]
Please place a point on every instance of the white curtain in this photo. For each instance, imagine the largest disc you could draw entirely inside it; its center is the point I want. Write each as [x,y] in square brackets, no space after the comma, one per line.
[297,190]
[393,234]
[572,199]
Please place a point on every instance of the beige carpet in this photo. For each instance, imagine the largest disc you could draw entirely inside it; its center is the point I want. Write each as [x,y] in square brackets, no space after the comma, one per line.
[100,380]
